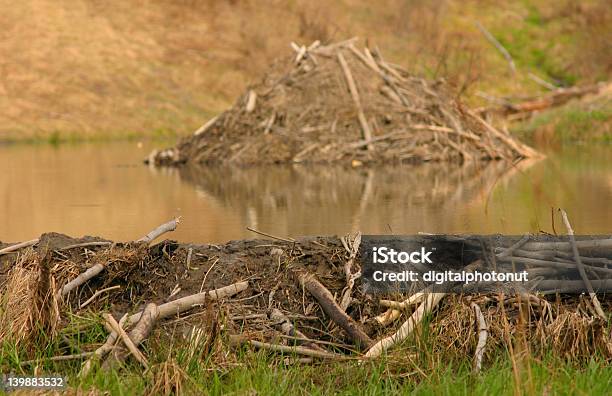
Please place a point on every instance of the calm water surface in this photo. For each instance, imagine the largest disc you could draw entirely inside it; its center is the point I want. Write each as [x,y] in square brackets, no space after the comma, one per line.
[104,190]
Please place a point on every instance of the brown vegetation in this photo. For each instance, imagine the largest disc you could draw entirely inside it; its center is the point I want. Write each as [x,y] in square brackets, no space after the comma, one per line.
[85,68]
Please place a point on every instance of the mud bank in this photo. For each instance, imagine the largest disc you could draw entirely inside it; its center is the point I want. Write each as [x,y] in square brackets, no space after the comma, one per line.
[291,296]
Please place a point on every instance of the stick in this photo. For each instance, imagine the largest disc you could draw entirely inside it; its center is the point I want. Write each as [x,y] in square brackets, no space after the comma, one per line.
[497,45]
[114,326]
[345,301]
[57,358]
[511,249]
[206,126]
[567,246]
[337,314]
[583,275]
[251,101]
[287,349]
[86,244]
[410,301]
[162,229]
[138,334]
[367,134]
[18,246]
[81,279]
[96,294]
[288,328]
[186,303]
[482,337]
[388,317]
[520,148]
[290,240]
[101,351]
[427,306]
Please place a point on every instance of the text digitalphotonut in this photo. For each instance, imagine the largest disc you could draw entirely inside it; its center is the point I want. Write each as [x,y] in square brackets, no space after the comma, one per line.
[440,277]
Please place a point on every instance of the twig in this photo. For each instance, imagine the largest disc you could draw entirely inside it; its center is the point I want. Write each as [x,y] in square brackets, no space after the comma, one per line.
[236,340]
[206,126]
[96,294]
[388,317]
[497,45]
[345,301]
[482,337]
[162,229]
[86,244]
[410,301]
[138,334]
[57,358]
[365,127]
[18,246]
[427,306]
[102,351]
[583,275]
[289,329]
[251,101]
[114,326]
[511,249]
[290,240]
[541,81]
[81,279]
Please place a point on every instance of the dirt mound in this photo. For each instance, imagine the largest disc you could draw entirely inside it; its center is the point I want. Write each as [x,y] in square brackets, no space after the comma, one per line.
[336,103]
[280,285]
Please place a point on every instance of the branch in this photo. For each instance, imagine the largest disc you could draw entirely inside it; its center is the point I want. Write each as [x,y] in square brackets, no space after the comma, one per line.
[331,308]
[18,246]
[237,340]
[162,229]
[482,337]
[583,275]
[404,331]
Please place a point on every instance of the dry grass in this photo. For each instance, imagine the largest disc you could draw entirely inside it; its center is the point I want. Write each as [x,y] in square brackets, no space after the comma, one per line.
[92,69]
[29,308]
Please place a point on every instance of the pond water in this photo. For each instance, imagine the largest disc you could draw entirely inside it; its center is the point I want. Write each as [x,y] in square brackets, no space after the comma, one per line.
[105,190]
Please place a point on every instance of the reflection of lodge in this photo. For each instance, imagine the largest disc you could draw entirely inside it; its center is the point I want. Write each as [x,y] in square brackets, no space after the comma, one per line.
[337,199]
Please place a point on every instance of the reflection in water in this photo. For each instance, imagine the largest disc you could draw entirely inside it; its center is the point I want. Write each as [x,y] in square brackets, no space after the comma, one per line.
[296,200]
[104,190]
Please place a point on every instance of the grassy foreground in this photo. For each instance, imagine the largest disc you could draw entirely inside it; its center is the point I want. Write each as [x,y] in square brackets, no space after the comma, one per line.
[179,366]
[259,373]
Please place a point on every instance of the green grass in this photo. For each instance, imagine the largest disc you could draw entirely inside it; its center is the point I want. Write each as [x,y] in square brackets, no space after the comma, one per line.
[574,122]
[259,373]
[414,369]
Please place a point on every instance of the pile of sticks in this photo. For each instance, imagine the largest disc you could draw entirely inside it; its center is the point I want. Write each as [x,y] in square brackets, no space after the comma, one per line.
[337,103]
[342,308]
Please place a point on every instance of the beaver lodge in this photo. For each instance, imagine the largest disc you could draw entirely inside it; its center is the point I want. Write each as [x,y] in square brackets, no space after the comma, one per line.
[300,298]
[336,103]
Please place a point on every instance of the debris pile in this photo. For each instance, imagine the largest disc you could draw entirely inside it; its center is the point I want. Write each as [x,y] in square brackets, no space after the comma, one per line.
[336,103]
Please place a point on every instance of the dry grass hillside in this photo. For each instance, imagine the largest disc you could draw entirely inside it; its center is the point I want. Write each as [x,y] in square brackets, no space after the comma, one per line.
[90,69]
